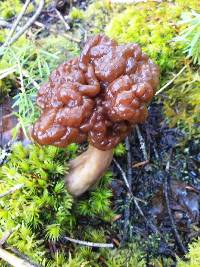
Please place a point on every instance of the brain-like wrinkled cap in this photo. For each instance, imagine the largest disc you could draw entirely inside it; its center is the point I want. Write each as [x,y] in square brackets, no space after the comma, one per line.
[97,97]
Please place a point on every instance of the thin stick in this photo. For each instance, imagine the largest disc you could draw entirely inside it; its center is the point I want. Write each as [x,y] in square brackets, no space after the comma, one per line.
[6,72]
[27,25]
[126,181]
[5,24]
[25,6]
[12,190]
[6,236]
[142,143]
[71,38]
[171,81]
[129,162]
[129,194]
[89,244]
[142,163]
[13,260]
[21,255]
[123,174]
[176,234]
[66,27]
[62,19]
[27,75]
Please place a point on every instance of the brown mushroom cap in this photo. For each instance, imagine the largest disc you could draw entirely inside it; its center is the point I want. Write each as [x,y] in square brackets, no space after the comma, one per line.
[97,97]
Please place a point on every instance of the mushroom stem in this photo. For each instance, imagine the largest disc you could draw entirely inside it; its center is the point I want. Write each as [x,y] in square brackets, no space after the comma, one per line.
[87,169]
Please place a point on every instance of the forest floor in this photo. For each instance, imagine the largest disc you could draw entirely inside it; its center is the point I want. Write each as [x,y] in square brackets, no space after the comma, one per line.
[155,186]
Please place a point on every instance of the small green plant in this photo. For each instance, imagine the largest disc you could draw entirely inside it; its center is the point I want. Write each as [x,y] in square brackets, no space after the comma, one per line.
[182,105]
[192,257]
[76,13]
[11,8]
[5,87]
[120,150]
[126,256]
[152,26]
[32,61]
[42,211]
[98,15]
[190,36]
[129,256]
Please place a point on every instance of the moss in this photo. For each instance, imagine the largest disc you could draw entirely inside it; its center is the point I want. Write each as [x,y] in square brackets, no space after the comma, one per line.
[182,105]
[35,59]
[3,34]
[76,13]
[5,88]
[156,29]
[43,211]
[120,150]
[11,8]
[7,78]
[126,256]
[190,35]
[192,257]
[153,27]
[97,16]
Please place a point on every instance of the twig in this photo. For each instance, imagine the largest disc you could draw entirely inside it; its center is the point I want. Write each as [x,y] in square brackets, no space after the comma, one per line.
[67,27]
[6,72]
[129,162]
[25,6]
[13,260]
[89,244]
[26,26]
[142,143]
[62,19]
[142,163]
[12,190]
[176,234]
[130,195]
[40,24]
[21,255]
[5,24]
[27,75]
[126,181]
[171,81]
[71,38]
[6,236]
[123,174]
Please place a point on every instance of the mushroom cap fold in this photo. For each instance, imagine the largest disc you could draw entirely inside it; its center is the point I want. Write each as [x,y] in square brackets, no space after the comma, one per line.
[97,96]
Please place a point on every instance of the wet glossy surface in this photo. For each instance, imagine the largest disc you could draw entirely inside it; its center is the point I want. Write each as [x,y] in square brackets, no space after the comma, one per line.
[97,97]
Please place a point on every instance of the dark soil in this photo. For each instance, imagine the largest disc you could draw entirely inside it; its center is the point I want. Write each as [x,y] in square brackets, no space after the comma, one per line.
[172,159]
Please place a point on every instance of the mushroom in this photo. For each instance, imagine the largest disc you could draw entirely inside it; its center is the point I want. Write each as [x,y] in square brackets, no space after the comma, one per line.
[97,97]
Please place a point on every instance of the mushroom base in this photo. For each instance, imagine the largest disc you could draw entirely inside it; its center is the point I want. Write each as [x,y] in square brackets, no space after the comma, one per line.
[87,169]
